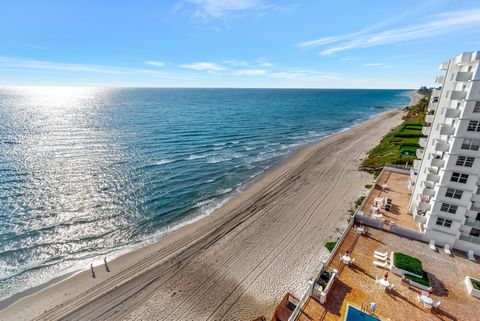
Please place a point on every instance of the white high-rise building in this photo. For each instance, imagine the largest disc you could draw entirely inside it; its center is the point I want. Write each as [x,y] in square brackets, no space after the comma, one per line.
[445,180]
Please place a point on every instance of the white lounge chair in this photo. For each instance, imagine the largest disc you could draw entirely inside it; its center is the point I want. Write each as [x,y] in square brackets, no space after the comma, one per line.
[436,305]
[380,264]
[446,248]
[390,286]
[471,255]
[352,261]
[381,258]
[384,254]
[432,245]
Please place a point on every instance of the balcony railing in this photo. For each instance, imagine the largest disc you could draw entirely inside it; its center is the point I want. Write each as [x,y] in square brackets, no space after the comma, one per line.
[447,130]
[423,142]
[458,95]
[416,164]
[428,191]
[433,178]
[443,66]
[419,153]
[474,224]
[429,118]
[450,113]
[441,145]
[464,76]
[426,130]
[470,238]
[437,162]
[440,79]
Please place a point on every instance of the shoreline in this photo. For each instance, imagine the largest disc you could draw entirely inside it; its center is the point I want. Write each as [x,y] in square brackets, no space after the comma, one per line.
[141,253]
[185,221]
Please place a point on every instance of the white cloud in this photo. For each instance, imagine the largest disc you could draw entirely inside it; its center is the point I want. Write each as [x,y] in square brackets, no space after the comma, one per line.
[51,66]
[204,66]
[250,72]
[437,25]
[376,64]
[155,63]
[264,63]
[236,63]
[305,75]
[220,8]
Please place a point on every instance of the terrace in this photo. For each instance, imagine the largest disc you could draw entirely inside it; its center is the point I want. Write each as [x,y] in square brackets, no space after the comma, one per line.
[356,284]
[396,184]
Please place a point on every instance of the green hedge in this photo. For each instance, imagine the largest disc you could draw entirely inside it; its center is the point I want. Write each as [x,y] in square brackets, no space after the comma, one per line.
[330,245]
[408,263]
[423,280]
[476,284]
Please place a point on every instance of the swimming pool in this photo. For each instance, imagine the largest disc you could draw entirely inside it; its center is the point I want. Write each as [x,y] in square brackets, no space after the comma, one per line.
[354,314]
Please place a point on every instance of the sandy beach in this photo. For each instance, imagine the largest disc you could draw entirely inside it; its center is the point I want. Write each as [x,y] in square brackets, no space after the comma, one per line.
[237,263]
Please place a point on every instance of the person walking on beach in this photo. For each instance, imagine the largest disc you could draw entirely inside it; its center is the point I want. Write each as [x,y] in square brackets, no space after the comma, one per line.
[106,265]
[93,271]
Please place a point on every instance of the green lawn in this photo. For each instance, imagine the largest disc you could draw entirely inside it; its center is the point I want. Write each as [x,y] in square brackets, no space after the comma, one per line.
[400,145]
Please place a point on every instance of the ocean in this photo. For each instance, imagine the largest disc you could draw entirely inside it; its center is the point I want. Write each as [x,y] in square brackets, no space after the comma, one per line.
[89,172]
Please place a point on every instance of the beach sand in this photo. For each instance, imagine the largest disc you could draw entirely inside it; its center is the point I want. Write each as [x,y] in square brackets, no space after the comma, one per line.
[237,263]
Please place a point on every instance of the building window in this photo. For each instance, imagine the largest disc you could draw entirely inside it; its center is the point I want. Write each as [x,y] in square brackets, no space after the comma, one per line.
[454,193]
[473,126]
[475,232]
[444,222]
[476,109]
[478,217]
[465,161]
[449,208]
[459,178]
[471,144]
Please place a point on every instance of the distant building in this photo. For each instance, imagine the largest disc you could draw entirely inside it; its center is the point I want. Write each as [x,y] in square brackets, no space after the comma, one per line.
[445,180]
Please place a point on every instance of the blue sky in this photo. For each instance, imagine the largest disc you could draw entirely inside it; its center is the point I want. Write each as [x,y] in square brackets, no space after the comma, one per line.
[233,43]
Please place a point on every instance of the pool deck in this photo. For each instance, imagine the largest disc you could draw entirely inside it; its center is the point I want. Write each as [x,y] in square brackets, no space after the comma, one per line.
[356,284]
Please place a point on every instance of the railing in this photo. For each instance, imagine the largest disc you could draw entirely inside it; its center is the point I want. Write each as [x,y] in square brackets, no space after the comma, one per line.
[402,169]
[475,224]
[323,264]
[406,232]
[470,238]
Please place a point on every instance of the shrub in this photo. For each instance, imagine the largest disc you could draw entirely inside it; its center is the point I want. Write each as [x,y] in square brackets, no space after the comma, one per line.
[330,245]
[476,284]
[424,280]
[368,186]
[408,263]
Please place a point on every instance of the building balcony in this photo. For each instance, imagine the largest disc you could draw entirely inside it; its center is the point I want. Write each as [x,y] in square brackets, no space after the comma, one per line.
[416,164]
[447,129]
[423,142]
[428,192]
[474,207]
[429,118]
[426,130]
[474,224]
[440,80]
[419,153]
[463,58]
[413,175]
[423,206]
[451,113]
[469,238]
[428,184]
[443,66]
[433,178]
[464,76]
[441,146]
[432,106]
[437,162]
[458,95]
